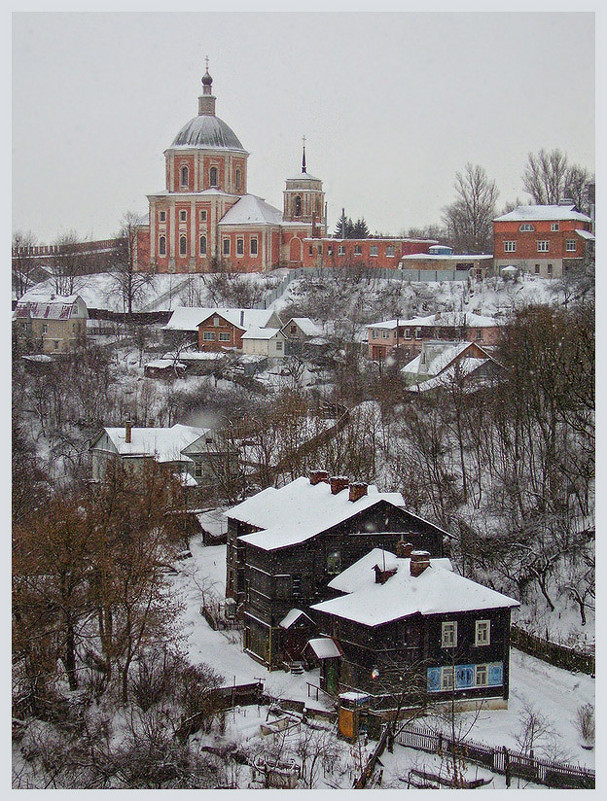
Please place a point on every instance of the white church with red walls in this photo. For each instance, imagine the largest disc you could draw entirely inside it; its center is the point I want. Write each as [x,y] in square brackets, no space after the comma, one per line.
[206,219]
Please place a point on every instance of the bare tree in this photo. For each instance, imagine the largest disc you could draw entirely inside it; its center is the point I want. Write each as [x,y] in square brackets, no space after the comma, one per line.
[67,267]
[549,178]
[131,282]
[24,265]
[469,218]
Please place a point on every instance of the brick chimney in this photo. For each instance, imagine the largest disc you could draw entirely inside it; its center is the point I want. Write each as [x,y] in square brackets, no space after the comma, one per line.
[241,318]
[338,483]
[317,476]
[128,427]
[420,560]
[358,489]
[403,549]
[381,576]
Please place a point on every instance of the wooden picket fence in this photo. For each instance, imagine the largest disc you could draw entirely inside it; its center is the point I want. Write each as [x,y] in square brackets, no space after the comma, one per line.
[552,652]
[500,760]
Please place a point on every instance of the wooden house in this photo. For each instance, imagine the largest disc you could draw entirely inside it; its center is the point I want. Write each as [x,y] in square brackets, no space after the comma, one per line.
[413,616]
[285,545]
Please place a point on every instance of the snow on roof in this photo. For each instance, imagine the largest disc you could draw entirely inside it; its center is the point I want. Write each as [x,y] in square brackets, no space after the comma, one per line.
[324,647]
[305,325]
[188,318]
[261,333]
[435,591]
[291,616]
[361,573]
[585,234]
[46,306]
[463,368]
[555,212]
[186,479]
[251,209]
[446,256]
[165,444]
[450,319]
[300,510]
[163,364]
[303,176]
[439,355]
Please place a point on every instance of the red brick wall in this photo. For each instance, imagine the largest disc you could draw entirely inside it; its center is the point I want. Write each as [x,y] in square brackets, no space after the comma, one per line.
[224,327]
[329,255]
[526,241]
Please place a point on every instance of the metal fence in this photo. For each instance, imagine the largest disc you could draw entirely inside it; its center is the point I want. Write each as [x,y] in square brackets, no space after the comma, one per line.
[500,759]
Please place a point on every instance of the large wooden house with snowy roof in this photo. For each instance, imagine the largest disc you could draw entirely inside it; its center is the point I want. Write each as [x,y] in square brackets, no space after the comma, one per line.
[413,616]
[219,329]
[285,545]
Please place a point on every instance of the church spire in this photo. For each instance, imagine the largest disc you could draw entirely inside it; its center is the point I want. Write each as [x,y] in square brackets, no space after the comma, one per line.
[303,157]
[206,103]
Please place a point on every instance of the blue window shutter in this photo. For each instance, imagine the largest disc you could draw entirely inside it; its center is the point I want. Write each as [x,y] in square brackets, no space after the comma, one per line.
[434,683]
[495,674]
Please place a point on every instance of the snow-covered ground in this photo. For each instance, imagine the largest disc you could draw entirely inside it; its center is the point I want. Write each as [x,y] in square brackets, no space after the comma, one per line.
[555,693]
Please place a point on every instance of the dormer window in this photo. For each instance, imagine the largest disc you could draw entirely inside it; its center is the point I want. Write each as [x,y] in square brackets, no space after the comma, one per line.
[526,227]
[213,177]
[185,177]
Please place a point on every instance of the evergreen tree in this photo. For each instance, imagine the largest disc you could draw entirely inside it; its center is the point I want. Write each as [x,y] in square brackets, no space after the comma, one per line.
[360,229]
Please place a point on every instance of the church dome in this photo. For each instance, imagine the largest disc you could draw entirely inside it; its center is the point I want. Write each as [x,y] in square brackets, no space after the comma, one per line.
[207,131]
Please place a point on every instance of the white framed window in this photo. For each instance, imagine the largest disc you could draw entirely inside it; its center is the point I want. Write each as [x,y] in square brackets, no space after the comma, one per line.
[358,251]
[240,247]
[537,269]
[543,245]
[390,251]
[334,563]
[278,344]
[224,336]
[554,226]
[385,334]
[341,250]
[45,328]
[373,250]
[446,676]
[226,247]
[510,246]
[183,246]
[449,634]
[162,246]
[407,333]
[480,677]
[526,227]
[549,270]
[375,333]
[162,216]
[254,246]
[203,215]
[216,322]
[237,180]
[329,250]
[185,177]
[203,246]
[213,177]
[482,632]
[208,336]
[418,333]
[571,245]
[183,215]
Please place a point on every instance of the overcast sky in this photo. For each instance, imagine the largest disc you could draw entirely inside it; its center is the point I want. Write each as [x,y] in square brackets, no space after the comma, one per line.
[392,106]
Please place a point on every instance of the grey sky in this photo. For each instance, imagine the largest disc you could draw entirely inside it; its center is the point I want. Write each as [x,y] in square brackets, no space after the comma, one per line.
[392,105]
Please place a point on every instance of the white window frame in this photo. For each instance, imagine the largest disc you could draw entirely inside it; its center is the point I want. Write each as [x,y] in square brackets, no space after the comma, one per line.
[480,638]
[358,251]
[203,215]
[279,344]
[216,321]
[162,216]
[407,333]
[554,226]
[385,334]
[240,246]
[447,678]
[225,336]
[510,246]
[549,270]
[570,245]
[215,171]
[225,247]
[375,333]
[184,169]
[208,336]
[183,248]
[373,250]
[481,671]
[526,227]
[418,333]
[341,250]
[389,251]
[202,241]
[183,215]
[543,245]
[254,251]
[537,269]
[448,637]
[162,245]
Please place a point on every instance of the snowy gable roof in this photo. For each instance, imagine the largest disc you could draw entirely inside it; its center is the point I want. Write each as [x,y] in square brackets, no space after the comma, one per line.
[292,616]
[261,333]
[361,573]
[305,325]
[165,444]
[465,366]
[585,234]
[188,318]
[448,319]
[252,210]
[437,590]
[554,212]
[51,307]
[301,510]
[324,648]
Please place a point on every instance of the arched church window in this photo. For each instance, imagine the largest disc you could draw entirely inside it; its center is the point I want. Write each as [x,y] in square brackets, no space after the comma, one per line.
[183,246]
[237,180]
[203,246]
[185,177]
[162,246]
[213,176]
[297,206]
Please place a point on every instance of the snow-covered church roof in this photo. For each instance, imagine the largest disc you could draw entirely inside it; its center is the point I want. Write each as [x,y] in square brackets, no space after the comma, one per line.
[207,132]
[252,210]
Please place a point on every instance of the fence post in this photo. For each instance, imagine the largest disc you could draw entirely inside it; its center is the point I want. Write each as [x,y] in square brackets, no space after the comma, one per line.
[507,766]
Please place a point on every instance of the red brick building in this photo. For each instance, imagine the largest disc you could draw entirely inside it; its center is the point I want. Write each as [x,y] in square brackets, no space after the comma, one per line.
[543,240]
[374,252]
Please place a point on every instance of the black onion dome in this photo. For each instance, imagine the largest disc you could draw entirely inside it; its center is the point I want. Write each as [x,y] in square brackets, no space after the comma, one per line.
[207,131]
[206,79]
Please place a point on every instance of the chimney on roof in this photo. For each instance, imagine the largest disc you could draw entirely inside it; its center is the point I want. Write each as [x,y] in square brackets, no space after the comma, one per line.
[358,489]
[242,318]
[318,476]
[338,483]
[381,576]
[403,549]
[420,560]
[128,427]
